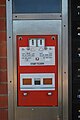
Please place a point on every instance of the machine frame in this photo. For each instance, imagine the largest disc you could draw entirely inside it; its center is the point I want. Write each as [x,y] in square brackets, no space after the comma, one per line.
[15,21]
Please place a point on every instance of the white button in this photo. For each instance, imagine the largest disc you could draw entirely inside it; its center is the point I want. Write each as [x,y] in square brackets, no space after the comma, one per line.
[49,93]
[25,94]
[79,116]
[78,96]
[79,34]
[79,54]
[78,7]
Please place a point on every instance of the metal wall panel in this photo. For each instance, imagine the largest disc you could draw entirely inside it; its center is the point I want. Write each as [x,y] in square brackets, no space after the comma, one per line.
[37,27]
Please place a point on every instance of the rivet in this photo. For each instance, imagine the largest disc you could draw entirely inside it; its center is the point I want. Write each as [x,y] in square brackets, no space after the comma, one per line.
[20,38]
[53,38]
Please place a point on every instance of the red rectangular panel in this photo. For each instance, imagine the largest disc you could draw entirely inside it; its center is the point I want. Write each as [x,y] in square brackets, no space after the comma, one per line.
[37,57]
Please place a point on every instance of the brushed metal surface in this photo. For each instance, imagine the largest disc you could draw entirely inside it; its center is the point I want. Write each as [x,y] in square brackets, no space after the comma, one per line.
[42,16]
[65,57]
[37,27]
[37,114]
[9,59]
[50,24]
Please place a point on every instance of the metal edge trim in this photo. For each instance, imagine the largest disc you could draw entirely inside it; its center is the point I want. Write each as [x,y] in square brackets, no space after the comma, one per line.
[65,57]
[58,71]
[9,58]
[42,16]
[70,61]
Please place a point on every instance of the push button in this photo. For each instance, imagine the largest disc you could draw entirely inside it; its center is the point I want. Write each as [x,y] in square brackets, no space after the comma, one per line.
[78,96]
[25,94]
[49,93]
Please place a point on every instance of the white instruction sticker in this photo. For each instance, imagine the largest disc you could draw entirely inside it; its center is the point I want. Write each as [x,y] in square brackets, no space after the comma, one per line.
[37,56]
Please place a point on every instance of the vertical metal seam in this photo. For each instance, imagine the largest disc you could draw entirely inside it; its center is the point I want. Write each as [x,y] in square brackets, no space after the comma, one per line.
[9,58]
[65,57]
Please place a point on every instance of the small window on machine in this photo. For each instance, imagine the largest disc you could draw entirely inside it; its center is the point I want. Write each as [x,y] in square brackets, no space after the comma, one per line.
[27,81]
[37,82]
[47,81]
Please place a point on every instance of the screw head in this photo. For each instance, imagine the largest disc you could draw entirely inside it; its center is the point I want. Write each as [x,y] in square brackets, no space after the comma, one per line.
[53,37]
[20,38]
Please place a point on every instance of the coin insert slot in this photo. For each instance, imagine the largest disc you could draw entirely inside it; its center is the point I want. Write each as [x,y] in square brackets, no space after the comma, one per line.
[27,81]
[40,42]
[32,42]
[47,81]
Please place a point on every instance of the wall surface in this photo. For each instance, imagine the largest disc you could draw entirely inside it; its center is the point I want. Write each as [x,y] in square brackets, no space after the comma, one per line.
[3,63]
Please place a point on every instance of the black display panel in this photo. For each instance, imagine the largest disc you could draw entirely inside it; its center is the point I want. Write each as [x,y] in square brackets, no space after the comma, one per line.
[75,58]
[37,6]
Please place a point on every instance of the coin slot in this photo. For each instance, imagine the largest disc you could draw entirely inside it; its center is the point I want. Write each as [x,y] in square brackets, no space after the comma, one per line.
[27,81]
[40,42]
[32,42]
[47,81]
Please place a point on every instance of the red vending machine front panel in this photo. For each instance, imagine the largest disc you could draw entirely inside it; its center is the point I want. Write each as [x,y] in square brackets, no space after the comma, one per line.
[37,67]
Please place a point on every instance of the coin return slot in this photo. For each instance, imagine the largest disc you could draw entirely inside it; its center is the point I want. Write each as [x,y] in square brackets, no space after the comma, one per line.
[27,81]
[47,81]
[37,82]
